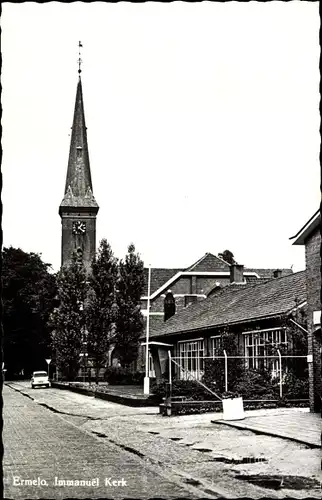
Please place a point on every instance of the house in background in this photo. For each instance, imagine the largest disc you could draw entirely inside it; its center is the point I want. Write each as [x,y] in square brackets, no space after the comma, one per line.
[195,283]
[310,236]
[207,276]
[257,313]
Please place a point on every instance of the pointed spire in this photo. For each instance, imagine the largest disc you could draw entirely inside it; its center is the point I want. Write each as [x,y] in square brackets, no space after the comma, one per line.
[78,179]
[78,172]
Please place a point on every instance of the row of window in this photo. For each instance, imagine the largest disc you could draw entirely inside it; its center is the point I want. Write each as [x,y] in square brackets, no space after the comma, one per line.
[257,347]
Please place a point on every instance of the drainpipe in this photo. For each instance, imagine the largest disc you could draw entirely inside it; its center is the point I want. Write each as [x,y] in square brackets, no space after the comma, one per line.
[226,371]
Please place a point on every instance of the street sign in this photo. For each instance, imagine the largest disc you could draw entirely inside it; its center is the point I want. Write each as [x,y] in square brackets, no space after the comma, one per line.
[48,361]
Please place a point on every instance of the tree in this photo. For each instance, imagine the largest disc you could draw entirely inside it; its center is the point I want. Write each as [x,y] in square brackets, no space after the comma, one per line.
[227,256]
[129,324]
[100,305]
[68,319]
[28,292]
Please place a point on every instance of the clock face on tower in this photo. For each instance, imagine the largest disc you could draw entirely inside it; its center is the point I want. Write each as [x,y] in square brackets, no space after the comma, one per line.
[79,227]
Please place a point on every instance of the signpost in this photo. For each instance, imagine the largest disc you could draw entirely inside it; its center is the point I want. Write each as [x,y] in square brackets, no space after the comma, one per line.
[48,363]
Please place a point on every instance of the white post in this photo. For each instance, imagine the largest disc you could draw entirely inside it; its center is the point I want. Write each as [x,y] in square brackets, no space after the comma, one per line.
[146,388]
[226,371]
[280,370]
[48,363]
[170,368]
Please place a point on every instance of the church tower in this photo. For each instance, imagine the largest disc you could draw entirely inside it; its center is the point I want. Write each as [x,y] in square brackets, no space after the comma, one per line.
[78,209]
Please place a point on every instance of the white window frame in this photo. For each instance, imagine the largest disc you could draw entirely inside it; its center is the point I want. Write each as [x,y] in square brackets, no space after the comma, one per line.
[252,341]
[191,354]
[213,348]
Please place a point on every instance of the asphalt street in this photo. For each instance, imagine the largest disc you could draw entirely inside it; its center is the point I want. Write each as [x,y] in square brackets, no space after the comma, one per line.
[56,439]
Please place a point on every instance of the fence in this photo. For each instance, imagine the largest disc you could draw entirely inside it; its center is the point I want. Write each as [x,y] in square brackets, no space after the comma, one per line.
[192,368]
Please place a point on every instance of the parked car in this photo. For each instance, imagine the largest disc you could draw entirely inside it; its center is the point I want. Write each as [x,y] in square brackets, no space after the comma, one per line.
[39,378]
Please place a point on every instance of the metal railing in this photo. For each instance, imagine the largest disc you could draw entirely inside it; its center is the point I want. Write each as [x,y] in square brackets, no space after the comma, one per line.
[196,374]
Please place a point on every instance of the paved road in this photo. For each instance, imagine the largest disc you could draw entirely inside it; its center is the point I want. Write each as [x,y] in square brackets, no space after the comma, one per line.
[41,446]
[165,457]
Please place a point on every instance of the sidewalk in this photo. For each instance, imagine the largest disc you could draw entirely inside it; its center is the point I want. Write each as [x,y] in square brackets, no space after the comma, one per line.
[216,458]
[300,426]
[129,395]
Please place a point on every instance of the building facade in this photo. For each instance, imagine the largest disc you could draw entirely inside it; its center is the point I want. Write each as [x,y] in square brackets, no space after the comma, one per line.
[260,316]
[310,237]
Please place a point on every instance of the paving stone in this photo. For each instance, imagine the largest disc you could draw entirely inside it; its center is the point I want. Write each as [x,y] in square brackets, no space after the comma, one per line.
[304,427]
[40,444]
[145,431]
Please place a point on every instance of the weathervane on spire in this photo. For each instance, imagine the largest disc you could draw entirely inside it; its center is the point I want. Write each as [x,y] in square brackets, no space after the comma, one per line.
[79,57]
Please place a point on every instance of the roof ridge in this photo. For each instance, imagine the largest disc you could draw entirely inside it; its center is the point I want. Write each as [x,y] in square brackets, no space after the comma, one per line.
[268,268]
[167,268]
[241,287]
[268,280]
[223,260]
[197,262]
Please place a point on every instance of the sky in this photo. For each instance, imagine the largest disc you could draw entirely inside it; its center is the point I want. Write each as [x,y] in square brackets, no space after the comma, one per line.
[202,120]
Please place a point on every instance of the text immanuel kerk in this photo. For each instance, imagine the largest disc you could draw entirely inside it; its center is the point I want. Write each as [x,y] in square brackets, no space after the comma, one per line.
[94,482]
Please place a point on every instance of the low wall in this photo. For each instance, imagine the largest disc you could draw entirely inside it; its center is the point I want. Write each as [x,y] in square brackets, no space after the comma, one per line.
[110,396]
[126,400]
[191,407]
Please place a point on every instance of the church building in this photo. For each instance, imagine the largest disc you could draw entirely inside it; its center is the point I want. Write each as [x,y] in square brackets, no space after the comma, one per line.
[201,282]
[78,209]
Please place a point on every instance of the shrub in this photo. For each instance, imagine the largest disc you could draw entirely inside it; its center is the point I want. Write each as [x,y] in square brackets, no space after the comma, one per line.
[295,387]
[214,370]
[189,388]
[194,408]
[254,384]
[230,395]
[122,376]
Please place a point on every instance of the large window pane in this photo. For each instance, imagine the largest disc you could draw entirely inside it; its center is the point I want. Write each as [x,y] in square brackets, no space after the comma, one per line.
[256,349]
[191,354]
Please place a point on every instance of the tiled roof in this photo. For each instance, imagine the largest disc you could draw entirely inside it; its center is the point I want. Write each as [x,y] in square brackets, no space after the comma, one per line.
[209,262]
[249,280]
[239,303]
[268,273]
[159,277]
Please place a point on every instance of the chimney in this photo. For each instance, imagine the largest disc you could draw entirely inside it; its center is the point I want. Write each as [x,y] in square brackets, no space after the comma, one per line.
[236,273]
[169,305]
[277,273]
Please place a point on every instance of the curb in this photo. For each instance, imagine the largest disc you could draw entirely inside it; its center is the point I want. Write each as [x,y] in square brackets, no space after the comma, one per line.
[257,430]
[126,401]
[109,396]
